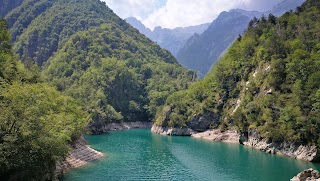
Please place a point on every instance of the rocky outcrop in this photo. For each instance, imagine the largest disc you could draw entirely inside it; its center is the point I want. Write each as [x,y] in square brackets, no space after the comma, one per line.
[80,154]
[307,175]
[290,149]
[119,126]
[172,131]
[203,122]
[230,136]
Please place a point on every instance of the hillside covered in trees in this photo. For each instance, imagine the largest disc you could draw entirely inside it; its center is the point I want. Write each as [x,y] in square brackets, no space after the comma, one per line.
[92,55]
[80,65]
[268,81]
[36,121]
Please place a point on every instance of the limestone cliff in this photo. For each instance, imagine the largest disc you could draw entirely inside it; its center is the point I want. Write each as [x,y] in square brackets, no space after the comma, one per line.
[290,149]
[309,174]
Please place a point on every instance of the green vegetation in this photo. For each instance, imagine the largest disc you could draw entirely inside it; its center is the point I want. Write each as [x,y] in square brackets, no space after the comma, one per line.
[40,28]
[36,121]
[117,76]
[112,73]
[94,56]
[268,81]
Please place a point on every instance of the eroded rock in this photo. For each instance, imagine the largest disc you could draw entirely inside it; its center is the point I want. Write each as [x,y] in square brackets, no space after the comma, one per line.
[307,175]
[172,131]
[203,122]
[290,149]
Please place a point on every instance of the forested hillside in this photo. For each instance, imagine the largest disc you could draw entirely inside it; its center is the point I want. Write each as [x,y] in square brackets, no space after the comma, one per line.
[268,81]
[36,121]
[91,54]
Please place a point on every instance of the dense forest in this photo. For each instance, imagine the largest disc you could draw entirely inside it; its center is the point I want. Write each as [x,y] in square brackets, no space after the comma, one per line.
[92,55]
[268,81]
[36,121]
[81,67]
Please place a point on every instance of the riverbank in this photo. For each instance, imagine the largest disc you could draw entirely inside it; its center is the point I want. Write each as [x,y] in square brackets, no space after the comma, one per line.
[230,136]
[138,154]
[251,139]
[120,126]
[81,153]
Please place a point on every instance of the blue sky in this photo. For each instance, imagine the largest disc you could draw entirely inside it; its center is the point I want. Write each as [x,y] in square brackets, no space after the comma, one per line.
[182,13]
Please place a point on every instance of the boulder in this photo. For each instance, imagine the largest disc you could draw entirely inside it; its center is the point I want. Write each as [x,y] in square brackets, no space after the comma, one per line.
[307,175]
[165,130]
[203,122]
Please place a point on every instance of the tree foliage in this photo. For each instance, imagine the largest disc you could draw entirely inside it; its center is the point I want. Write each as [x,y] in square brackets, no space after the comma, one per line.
[37,122]
[267,81]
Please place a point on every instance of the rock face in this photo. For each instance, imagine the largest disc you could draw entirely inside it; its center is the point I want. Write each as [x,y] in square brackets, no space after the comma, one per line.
[290,149]
[172,131]
[119,126]
[203,122]
[230,136]
[80,155]
[307,175]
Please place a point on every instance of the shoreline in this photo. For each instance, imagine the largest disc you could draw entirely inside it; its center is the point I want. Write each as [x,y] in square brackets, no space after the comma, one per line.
[81,153]
[119,126]
[287,149]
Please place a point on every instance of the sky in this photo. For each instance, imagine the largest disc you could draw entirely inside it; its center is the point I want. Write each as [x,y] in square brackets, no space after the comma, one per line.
[182,13]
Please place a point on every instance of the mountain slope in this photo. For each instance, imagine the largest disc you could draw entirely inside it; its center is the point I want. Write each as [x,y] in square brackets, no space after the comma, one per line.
[48,25]
[267,83]
[36,121]
[202,51]
[139,26]
[170,39]
[285,6]
[91,54]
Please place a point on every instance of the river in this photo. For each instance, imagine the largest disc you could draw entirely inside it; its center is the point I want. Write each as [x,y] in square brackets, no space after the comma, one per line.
[141,155]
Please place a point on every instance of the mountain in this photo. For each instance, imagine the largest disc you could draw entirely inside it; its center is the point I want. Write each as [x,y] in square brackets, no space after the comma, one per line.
[200,50]
[37,122]
[203,50]
[285,6]
[92,55]
[81,67]
[170,39]
[139,26]
[266,86]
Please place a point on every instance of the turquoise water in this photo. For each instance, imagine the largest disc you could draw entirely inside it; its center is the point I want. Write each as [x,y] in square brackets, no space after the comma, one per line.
[142,155]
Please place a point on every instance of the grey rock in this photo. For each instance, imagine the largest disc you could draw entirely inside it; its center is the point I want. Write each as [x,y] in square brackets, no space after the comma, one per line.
[291,149]
[203,122]
[165,130]
[119,126]
[307,175]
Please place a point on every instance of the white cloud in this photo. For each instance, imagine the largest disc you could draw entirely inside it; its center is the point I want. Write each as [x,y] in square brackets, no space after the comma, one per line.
[181,13]
[134,8]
